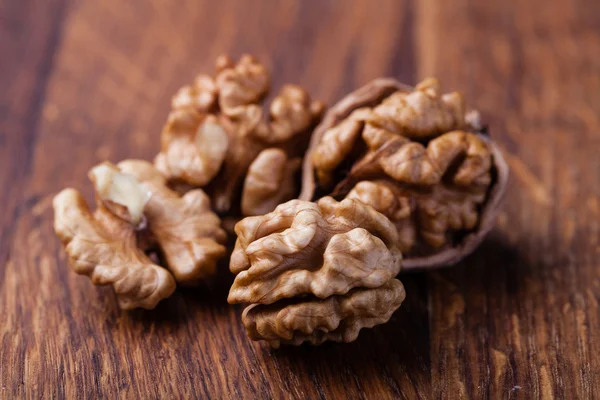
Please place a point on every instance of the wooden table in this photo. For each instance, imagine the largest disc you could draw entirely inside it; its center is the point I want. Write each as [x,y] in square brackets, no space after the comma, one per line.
[91,80]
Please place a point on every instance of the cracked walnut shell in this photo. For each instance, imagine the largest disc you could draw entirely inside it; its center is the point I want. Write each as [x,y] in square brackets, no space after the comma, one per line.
[219,137]
[313,272]
[418,157]
[136,214]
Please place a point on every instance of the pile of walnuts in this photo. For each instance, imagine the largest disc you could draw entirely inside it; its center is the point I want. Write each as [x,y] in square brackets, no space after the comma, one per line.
[325,210]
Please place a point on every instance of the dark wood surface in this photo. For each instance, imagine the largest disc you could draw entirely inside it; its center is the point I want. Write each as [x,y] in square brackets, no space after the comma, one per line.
[85,81]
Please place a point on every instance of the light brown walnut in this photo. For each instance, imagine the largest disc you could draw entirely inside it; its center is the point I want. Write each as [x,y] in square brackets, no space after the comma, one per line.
[136,213]
[105,248]
[185,229]
[333,260]
[219,137]
[388,200]
[336,318]
[269,182]
[422,112]
[417,156]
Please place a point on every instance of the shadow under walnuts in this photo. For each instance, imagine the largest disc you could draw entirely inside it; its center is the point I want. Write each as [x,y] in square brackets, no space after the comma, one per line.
[397,350]
[497,268]
[186,302]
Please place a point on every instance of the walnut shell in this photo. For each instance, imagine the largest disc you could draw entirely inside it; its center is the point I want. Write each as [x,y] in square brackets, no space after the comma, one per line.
[387,141]
[315,271]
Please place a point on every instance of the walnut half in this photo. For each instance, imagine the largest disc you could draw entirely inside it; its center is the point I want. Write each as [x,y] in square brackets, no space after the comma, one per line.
[316,271]
[136,214]
[220,137]
[417,156]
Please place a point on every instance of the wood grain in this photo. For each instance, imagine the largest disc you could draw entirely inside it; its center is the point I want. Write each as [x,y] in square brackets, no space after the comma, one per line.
[91,80]
[520,318]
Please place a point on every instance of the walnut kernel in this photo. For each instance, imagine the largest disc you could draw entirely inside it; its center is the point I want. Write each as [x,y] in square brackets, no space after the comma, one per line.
[316,271]
[220,138]
[417,156]
[137,213]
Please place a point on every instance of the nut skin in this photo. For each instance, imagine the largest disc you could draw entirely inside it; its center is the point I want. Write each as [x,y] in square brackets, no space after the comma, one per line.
[110,245]
[332,261]
[226,158]
[417,156]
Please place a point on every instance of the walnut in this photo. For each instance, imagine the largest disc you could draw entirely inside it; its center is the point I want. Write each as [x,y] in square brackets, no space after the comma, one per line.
[421,112]
[219,137]
[336,318]
[388,200]
[418,157]
[316,271]
[136,214]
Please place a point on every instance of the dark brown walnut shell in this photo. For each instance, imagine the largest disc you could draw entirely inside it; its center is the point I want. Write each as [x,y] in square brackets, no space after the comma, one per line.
[438,118]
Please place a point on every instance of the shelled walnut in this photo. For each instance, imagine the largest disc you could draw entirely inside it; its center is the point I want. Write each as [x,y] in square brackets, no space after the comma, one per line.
[136,213]
[313,272]
[417,156]
[219,137]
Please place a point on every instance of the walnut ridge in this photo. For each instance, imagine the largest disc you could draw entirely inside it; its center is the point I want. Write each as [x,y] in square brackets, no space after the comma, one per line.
[135,213]
[417,156]
[316,271]
[219,137]
[336,318]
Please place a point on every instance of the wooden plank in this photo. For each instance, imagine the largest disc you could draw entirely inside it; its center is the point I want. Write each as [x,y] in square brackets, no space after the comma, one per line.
[107,97]
[27,61]
[519,318]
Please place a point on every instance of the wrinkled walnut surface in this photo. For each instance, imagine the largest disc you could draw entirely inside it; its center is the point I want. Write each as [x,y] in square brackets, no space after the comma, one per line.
[316,271]
[137,213]
[336,318]
[219,137]
[416,156]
